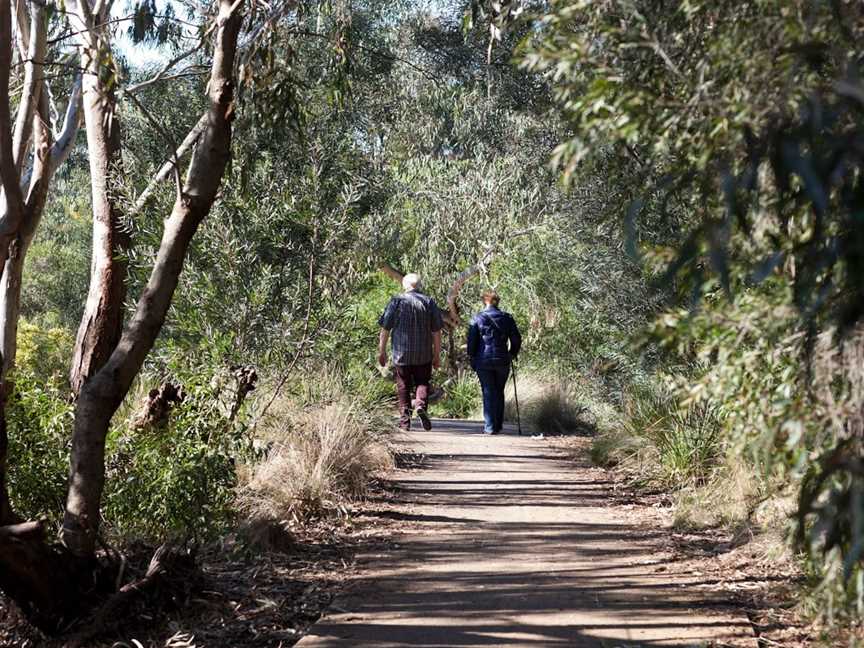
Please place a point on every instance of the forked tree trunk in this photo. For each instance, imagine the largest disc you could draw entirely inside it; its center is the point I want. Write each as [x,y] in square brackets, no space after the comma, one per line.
[10,282]
[100,396]
[102,321]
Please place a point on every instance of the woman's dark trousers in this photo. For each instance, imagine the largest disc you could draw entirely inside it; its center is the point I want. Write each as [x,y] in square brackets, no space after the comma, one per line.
[493,379]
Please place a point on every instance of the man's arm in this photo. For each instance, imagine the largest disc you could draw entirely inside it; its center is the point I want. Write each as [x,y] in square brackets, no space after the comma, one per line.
[387,321]
[382,347]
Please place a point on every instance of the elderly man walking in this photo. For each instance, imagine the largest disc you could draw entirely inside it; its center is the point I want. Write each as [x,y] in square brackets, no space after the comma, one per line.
[413,320]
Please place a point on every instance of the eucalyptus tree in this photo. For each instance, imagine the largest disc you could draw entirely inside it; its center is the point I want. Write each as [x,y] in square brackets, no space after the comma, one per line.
[47,581]
[253,67]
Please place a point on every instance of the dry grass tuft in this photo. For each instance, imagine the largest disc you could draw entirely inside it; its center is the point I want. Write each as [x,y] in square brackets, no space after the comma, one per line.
[320,458]
[547,406]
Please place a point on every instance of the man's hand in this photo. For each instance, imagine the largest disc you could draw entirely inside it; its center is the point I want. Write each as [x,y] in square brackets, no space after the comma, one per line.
[383,336]
[436,363]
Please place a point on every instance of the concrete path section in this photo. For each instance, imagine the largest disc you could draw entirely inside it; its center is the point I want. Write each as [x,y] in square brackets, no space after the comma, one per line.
[516,545]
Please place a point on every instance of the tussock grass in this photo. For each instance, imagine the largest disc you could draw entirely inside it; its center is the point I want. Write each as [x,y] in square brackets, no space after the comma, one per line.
[320,458]
[728,499]
[680,449]
[547,406]
[662,443]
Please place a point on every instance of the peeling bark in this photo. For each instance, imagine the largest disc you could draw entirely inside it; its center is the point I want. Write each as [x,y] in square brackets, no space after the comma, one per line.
[102,321]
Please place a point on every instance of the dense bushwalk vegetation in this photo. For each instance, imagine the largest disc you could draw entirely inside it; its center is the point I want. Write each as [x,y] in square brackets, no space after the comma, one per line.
[668,197]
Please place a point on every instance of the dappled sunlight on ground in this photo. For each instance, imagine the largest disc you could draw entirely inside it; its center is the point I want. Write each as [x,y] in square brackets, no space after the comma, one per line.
[510,544]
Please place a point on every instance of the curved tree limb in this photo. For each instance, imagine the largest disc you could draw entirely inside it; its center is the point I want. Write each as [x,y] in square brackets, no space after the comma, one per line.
[166,169]
[473,270]
[391,272]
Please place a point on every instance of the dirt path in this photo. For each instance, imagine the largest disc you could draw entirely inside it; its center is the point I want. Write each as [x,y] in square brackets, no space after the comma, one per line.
[512,544]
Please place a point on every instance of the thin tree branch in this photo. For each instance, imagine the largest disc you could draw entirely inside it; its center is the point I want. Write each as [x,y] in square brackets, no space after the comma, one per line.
[170,64]
[33,84]
[376,52]
[165,134]
[9,177]
[169,166]
[391,272]
[304,339]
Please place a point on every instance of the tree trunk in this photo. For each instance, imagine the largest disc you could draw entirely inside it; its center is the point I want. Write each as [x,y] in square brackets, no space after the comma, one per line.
[34,80]
[52,587]
[10,220]
[100,396]
[10,282]
[102,321]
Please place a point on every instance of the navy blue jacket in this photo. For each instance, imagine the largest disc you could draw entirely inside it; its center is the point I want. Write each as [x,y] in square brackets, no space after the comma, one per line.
[488,336]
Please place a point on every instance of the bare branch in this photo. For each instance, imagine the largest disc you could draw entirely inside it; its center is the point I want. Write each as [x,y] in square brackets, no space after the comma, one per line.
[304,337]
[165,134]
[376,52]
[471,271]
[23,28]
[391,272]
[65,137]
[171,165]
[170,64]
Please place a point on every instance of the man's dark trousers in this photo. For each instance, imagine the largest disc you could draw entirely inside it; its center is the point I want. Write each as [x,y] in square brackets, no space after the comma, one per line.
[493,379]
[408,377]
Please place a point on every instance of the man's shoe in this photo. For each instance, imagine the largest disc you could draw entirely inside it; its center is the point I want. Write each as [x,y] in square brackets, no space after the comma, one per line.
[424,418]
[405,421]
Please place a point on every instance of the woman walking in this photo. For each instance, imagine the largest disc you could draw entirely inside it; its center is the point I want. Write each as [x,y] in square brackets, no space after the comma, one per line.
[493,342]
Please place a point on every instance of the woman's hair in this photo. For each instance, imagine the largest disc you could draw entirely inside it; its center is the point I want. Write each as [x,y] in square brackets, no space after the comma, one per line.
[491,297]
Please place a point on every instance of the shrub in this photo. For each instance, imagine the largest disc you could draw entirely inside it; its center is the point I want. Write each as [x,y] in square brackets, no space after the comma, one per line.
[462,398]
[177,479]
[320,458]
[39,420]
[44,353]
[663,442]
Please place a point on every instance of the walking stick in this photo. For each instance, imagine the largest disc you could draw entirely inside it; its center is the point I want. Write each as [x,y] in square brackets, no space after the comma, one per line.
[516,398]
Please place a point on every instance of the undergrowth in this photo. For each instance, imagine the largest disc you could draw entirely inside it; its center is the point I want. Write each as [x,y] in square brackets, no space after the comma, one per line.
[320,457]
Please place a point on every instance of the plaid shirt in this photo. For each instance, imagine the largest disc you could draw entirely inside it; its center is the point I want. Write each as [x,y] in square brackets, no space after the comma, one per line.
[411,318]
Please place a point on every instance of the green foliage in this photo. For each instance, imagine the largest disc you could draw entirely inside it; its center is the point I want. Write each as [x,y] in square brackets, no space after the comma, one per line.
[462,399]
[681,81]
[39,423]
[178,478]
[43,353]
[663,442]
[724,137]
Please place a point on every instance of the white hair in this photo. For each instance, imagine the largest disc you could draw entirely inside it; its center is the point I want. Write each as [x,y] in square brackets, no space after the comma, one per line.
[411,281]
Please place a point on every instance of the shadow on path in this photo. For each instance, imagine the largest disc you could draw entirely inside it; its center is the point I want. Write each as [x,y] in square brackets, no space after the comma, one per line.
[514,545]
